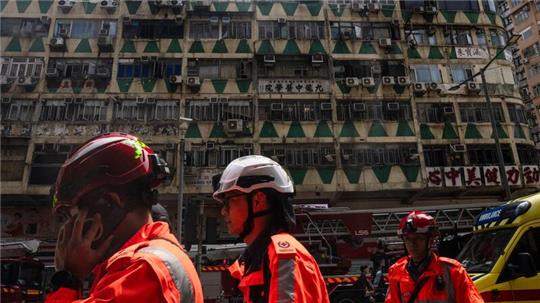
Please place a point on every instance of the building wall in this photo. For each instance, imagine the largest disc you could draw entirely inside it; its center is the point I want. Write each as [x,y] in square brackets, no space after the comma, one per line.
[347,137]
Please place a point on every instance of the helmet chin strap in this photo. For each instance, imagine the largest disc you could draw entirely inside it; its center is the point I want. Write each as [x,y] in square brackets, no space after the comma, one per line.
[248,225]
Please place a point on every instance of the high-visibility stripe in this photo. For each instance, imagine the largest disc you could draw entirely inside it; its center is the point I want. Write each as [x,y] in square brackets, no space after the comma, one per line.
[511,295]
[285,281]
[333,280]
[214,268]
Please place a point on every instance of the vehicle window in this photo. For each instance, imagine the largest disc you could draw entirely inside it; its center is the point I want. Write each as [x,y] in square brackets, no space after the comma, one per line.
[483,250]
[530,243]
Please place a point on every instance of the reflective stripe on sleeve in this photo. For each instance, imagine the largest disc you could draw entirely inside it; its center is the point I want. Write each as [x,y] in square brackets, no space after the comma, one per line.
[176,270]
[285,280]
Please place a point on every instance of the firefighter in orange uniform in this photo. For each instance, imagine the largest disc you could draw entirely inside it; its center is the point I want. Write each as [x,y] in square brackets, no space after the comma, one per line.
[422,276]
[256,195]
[104,191]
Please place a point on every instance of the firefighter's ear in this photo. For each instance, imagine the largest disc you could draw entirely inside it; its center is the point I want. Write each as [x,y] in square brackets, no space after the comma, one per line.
[260,201]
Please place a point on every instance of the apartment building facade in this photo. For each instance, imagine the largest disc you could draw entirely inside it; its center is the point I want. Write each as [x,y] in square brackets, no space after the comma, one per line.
[355,98]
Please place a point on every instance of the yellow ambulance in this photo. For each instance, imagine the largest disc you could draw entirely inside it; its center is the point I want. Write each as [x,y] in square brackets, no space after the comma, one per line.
[503,255]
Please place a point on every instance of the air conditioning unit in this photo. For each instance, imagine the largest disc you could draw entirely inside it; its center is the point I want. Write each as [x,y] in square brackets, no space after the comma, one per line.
[51,72]
[419,10]
[385,42]
[357,7]
[434,87]
[225,20]
[175,3]
[150,100]
[179,19]
[473,87]
[430,10]
[376,69]
[403,81]
[66,5]
[281,20]
[368,82]
[359,107]
[269,60]
[448,110]
[126,19]
[105,42]
[214,20]
[176,79]
[4,80]
[388,80]
[201,4]
[25,81]
[276,106]
[78,101]
[145,59]
[45,20]
[457,148]
[193,81]
[140,100]
[58,42]
[6,100]
[317,60]
[213,100]
[103,71]
[109,5]
[210,145]
[68,100]
[234,126]
[352,81]
[347,35]
[374,7]
[419,87]
[392,106]
[326,106]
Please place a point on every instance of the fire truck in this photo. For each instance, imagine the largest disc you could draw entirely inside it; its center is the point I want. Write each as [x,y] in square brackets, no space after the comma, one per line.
[22,275]
[341,240]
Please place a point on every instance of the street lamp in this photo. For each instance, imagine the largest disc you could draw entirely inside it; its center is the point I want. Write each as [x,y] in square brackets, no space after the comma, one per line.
[504,179]
[180,196]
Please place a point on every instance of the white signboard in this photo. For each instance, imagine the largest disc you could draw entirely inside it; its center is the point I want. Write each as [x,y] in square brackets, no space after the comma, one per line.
[293,86]
[471,53]
[435,177]
[531,174]
[492,175]
[473,176]
[513,175]
[452,176]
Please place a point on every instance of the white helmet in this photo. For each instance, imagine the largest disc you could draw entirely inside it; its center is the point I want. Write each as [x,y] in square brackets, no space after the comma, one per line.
[250,173]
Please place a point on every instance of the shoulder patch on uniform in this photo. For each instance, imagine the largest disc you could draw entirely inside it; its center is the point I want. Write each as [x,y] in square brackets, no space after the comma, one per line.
[450,261]
[283,246]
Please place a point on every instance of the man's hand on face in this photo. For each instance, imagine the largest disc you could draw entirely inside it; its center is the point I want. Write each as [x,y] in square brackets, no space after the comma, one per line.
[73,249]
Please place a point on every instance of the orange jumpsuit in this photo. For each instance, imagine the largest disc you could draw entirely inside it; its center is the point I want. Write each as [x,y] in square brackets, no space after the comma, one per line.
[294,275]
[142,270]
[447,281]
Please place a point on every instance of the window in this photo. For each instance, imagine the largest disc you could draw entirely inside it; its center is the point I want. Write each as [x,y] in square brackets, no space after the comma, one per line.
[537,90]
[219,109]
[146,109]
[218,156]
[148,68]
[534,69]
[237,30]
[458,36]
[219,28]
[437,155]
[423,36]
[15,67]
[153,29]
[498,38]
[527,155]
[291,110]
[373,111]
[533,50]
[411,4]
[83,28]
[13,156]
[301,155]
[517,113]
[426,73]
[489,5]
[481,37]
[18,110]
[516,2]
[220,69]
[486,154]
[522,15]
[379,154]
[79,69]
[23,28]
[292,67]
[460,72]
[73,110]
[435,112]
[364,31]
[305,30]
[462,5]
[526,33]
[478,112]
[46,162]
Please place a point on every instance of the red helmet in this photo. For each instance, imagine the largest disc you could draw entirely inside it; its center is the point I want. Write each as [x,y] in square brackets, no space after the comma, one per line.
[110,160]
[417,222]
